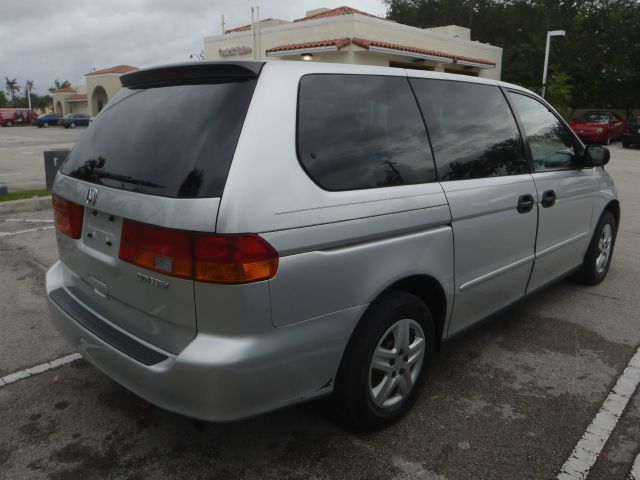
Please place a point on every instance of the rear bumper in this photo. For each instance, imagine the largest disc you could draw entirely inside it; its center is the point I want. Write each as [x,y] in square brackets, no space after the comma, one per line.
[631,137]
[216,378]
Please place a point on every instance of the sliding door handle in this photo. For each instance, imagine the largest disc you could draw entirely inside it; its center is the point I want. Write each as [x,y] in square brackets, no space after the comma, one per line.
[525,203]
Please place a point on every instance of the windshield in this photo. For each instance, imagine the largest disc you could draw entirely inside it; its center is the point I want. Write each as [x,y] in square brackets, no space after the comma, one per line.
[595,117]
[175,141]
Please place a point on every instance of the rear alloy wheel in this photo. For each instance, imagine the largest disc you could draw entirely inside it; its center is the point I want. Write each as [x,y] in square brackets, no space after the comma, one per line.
[598,257]
[386,362]
[45,124]
[73,125]
[9,123]
[396,363]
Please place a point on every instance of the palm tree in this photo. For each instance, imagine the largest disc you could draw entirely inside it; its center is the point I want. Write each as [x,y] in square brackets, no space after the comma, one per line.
[12,88]
[58,85]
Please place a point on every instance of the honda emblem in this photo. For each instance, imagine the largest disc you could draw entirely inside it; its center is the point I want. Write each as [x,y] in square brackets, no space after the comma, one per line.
[92,196]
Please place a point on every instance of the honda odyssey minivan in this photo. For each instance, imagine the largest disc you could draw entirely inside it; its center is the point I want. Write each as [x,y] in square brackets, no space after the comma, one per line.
[313,229]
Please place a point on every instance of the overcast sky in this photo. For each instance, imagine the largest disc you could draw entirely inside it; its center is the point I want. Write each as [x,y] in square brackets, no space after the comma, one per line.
[44,40]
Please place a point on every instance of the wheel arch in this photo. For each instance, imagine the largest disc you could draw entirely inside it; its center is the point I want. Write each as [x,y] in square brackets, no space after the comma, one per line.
[614,207]
[428,289]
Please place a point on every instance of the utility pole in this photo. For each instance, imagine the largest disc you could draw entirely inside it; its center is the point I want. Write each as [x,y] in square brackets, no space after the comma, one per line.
[222,23]
[553,33]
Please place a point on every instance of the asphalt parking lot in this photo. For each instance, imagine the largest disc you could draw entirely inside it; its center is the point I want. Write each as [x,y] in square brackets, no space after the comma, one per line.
[510,400]
[21,160]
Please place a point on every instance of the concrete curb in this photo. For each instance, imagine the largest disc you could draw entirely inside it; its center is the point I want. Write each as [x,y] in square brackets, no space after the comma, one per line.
[28,205]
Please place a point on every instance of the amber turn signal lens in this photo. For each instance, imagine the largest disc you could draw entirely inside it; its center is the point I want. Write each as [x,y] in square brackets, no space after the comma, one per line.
[234,259]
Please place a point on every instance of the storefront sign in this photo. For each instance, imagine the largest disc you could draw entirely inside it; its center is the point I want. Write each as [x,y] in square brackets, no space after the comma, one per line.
[232,51]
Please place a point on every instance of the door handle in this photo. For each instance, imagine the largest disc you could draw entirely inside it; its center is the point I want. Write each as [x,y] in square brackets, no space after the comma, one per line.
[548,198]
[525,203]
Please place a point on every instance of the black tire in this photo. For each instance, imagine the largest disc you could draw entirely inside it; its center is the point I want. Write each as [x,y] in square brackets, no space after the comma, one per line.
[625,144]
[353,395]
[592,273]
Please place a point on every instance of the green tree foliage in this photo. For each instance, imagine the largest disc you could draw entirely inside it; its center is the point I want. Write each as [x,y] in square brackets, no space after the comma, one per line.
[3,99]
[595,65]
[57,85]
[12,88]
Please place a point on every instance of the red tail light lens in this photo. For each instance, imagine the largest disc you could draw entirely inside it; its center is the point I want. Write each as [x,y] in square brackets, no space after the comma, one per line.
[67,216]
[158,249]
[234,259]
[227,259]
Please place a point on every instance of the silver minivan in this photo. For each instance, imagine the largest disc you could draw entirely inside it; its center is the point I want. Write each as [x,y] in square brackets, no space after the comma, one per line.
[236,237]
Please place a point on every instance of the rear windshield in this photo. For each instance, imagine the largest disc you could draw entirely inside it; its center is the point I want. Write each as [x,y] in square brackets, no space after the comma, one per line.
[594,117]
[175,141]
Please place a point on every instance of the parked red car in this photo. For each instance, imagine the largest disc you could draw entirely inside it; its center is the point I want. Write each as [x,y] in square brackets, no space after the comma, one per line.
[16,116]
[599,127]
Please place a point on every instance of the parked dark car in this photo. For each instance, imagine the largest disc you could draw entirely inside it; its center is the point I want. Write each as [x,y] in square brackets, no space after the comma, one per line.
[632,137]
[16,116]
[46,120]
[73,120]
[599,127]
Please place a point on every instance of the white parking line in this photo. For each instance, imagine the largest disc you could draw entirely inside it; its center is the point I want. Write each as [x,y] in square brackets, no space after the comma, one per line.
[586,453]
[11,234]
[634,474]
[27,220]
[43,367]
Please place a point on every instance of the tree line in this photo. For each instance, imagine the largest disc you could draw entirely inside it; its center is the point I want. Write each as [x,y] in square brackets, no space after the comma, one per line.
[594,66]
[17,95]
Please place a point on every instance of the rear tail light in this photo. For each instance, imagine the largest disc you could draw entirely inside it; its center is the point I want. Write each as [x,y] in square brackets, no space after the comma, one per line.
[234,259]
[67,216]
[228,259]
[158,249]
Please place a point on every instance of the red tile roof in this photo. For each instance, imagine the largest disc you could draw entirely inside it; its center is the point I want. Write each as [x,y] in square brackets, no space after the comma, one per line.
[475,60]
[65,90]
[244,28]
[361,42]
[78,97]
[336,12]
[364,43]
[337,42]
[116,69]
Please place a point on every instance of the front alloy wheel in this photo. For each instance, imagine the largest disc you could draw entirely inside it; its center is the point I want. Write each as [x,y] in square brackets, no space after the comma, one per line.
[598,258]
[604,249]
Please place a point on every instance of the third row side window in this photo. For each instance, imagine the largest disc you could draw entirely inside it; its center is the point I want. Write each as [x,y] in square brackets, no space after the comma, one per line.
[357,132]
[472,129]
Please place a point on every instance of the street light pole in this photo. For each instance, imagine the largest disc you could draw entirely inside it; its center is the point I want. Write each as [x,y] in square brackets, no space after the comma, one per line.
[552,33]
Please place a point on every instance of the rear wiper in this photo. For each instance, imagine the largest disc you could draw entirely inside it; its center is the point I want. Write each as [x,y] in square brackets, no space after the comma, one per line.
[126,179]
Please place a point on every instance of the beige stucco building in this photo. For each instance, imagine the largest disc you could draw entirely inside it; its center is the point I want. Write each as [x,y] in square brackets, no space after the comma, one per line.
[101,86]
[70,100]
[346,35]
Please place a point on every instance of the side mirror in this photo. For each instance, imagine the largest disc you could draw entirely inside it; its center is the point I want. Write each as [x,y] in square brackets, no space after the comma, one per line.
[596,156]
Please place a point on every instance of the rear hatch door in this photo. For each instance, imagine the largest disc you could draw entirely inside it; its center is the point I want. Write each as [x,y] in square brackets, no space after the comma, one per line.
[157,154]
